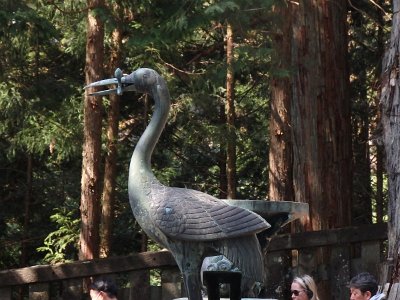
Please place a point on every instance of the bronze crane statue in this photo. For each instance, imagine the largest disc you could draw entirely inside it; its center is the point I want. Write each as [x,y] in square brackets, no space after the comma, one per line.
[189,223]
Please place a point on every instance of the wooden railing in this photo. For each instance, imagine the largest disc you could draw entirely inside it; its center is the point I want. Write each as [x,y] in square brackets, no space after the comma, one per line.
[332,257]
[41,281]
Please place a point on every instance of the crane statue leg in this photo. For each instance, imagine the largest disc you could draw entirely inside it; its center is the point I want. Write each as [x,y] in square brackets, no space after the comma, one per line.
[192,286]
[189,260]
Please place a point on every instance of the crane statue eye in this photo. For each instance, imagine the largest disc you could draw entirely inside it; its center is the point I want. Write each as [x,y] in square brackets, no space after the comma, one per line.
[144,79]
[149,78]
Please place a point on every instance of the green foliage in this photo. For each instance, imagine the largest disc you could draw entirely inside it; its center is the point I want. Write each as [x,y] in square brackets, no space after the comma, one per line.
[11,250]
[189,149]
[27,127]
[41,79]
[218,8]
[58,243]
[40,121]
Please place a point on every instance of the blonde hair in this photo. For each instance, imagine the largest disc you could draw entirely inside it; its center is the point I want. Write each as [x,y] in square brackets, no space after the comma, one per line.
[308,283]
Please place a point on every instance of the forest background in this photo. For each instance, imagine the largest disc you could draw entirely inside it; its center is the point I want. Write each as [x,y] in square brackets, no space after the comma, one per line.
[271,99]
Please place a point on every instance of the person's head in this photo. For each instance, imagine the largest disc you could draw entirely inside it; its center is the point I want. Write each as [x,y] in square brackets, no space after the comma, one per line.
[363,286]
[304,288]
[103,289]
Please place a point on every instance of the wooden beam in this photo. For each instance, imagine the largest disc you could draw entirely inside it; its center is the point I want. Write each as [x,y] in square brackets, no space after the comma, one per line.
[328,237]
[46,273]
[164,259]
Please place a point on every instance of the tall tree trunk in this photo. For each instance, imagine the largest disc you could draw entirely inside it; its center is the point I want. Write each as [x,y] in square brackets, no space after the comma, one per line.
[111,157]
[380,149]
[379,198]
[390,101]
[91,181]
[112,138]
[27,212]
[321,128]
[230,116]
[222,158]
[320,113]
[280,148]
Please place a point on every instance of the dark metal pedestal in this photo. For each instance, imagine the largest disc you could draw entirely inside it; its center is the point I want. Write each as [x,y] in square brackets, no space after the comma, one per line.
[212,280]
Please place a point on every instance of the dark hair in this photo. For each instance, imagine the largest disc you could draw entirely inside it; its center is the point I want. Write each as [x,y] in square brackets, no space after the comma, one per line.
[364,282]
[105,285]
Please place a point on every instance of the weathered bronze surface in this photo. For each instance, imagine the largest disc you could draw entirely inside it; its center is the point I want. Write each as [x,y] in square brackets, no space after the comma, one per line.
[191,224]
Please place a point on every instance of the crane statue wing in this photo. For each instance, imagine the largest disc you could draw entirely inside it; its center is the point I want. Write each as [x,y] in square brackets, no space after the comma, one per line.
[192,215]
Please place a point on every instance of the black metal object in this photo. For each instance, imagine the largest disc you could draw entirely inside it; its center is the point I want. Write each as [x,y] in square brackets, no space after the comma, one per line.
[213,279]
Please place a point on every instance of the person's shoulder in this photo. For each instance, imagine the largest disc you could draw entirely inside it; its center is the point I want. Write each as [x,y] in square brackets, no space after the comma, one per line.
[379,297]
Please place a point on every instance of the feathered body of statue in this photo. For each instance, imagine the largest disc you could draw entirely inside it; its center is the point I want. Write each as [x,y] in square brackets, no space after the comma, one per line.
[191,224]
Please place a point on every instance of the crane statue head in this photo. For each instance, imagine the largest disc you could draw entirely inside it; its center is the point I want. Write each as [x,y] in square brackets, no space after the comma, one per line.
[140,80]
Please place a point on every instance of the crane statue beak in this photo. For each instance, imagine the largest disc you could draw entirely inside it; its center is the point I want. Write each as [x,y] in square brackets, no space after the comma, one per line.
[124,83]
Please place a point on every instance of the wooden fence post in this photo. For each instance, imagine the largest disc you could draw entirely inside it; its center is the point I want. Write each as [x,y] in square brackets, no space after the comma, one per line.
[5,293]
[340,272]
[276,274]
[140,285]
[307,263]
[371,256]
[171,284]
[72,289]
[39,291]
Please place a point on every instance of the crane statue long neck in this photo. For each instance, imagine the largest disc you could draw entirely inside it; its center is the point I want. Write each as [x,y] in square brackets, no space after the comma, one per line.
[152,83]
